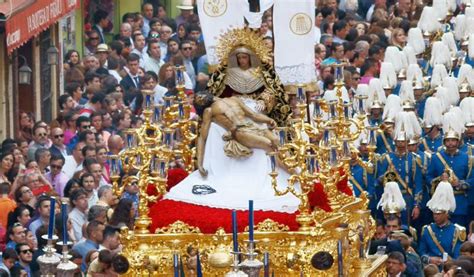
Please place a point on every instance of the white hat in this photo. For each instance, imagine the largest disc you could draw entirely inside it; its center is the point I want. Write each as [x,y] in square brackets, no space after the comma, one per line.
[464,74]
[415,40]
[409,55]
[392,199]
[415,75]
[388,77]
[433,112]
[394,56]
[443,199]
[406,91]
[428,22]
[392,107]
[453,123]
[362,90]
[470,49]
[450,83]
[443,95]
[459,26]
[448,40]
[407,126]
[467,107]
[438,75]
[440,54]
[440,8]
[186,5]
[376,95]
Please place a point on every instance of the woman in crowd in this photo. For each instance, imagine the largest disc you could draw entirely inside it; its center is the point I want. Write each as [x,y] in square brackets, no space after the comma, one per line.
[72,59]
[26,126]
[398,38]
[7,161]
[124,214]
[24,198]
[21,214]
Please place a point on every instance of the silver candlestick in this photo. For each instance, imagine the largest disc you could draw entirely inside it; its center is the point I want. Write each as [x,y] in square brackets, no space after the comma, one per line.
[66,268]
[49,261]
[236,272]
[251,265]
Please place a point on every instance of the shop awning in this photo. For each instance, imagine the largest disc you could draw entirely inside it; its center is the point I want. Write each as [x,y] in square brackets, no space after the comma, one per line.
[27,18]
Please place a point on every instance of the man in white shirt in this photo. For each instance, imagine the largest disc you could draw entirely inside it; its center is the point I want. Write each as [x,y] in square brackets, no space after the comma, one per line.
[139,43]
[78,215]
[187,52]
[153,60]
[73,163]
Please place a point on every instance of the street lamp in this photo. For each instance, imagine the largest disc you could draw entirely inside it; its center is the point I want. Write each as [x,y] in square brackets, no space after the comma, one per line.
[53,54]
[24,72]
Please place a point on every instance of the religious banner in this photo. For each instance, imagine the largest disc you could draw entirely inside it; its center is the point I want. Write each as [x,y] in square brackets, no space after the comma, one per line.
[293,32]
[217,17]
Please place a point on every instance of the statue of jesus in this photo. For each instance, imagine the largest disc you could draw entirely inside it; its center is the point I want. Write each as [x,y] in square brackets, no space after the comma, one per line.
[240,122]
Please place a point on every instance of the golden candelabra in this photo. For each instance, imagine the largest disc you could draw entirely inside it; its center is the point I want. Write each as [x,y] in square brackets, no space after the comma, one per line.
[166,135]
[320,152]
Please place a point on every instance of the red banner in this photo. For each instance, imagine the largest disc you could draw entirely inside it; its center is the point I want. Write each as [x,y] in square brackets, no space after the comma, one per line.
[34,19]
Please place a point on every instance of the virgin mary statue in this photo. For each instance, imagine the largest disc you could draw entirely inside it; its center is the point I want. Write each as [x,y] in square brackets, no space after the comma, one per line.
[246,71]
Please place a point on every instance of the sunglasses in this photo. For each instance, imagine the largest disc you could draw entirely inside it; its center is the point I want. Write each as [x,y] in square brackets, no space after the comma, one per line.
[155,36]
[94,38]
[86,127]
[42,134]
[26,251]
[59,136]
[56,166]
[187,48]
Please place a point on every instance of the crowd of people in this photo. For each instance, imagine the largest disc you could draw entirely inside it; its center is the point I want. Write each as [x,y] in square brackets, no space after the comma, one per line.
[386,59]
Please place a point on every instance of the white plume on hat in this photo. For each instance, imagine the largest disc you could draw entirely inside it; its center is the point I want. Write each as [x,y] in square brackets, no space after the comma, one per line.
[438,75]
[406,92]
[415,40]
[394,56]
[453,120]
[433,112]
[440,8]
[414,74]
[362,139]
[363,90]
[392,107]
[464,74]
[469,12]
[468,25]
[467,107]
[443,198]
[392,198]
[470,48]
[388,77]
[406,126]
[452,5]
[428,22]
[410,55]
[451,85]
[376,92]
[440,54]
[443,95]
[459,26]
[448,40]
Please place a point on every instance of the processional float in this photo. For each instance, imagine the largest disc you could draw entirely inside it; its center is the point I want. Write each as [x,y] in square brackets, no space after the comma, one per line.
[316,151]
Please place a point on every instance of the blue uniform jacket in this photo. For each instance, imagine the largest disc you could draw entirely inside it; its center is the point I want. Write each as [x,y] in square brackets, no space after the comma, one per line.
[461,165]
[449,237]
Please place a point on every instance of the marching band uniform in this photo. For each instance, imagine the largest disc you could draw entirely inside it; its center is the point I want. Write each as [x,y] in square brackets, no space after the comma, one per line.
[444,238]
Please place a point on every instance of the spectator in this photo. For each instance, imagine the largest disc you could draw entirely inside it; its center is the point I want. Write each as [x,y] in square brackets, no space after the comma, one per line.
[101,22]
[9,258]
[73,163]
[40,140]
[56,177]
[102,263]
[78,215]
[107,199]
[153,60]
[25,254]
[16,234]
[94,237]
[395,264]
[43,209]
[132,80]
[97,213]
[124,214]
[58,148]
[111,239]
[7,205]
[21,214]
[43,158]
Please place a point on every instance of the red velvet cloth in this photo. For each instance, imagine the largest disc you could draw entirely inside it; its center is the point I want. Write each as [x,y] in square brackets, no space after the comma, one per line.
[166,212]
